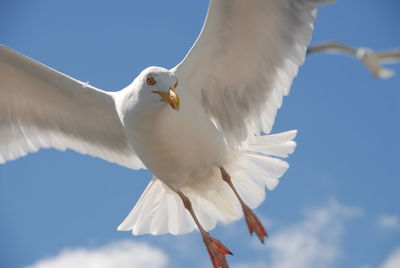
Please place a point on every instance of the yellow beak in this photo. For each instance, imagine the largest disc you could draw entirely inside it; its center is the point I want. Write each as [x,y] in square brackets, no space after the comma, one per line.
[169,97]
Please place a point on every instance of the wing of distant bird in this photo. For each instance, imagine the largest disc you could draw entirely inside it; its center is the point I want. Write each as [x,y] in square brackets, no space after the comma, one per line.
[373,60]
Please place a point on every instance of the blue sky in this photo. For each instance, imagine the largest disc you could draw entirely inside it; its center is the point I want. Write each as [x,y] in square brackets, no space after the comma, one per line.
[337,206]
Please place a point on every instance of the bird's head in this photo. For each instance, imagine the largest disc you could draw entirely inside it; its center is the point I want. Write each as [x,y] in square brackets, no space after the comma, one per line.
[159,85]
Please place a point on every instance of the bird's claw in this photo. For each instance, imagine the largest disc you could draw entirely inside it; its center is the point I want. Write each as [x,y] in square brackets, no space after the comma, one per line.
[217,251]
[254,224]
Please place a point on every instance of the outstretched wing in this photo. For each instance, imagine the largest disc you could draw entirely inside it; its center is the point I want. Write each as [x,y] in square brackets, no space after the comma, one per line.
[245,59]
[42,108]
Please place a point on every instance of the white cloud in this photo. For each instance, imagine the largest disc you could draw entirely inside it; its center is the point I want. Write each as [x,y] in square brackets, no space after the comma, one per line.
[313,242]
[257,264]
[122,254]
[389,222]
[393,260]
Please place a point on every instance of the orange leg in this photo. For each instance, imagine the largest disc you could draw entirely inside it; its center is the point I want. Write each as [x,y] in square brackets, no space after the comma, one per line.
[215,248]
[253,223]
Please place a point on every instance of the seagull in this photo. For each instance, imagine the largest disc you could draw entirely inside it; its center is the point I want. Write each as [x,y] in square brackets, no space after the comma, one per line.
[198,127]
[372,60]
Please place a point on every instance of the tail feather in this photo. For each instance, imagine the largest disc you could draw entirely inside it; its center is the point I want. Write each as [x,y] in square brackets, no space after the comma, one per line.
[266,168]
[160,210]
[280,145]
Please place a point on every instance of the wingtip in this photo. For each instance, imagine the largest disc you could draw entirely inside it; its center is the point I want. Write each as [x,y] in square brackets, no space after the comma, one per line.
[291,134]
[122,227]
[294,131]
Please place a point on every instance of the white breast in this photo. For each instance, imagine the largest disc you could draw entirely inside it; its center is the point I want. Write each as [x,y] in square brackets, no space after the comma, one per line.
[176,146]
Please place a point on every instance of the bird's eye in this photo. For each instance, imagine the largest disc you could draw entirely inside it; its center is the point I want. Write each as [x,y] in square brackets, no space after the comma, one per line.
[150,81]
[176,84]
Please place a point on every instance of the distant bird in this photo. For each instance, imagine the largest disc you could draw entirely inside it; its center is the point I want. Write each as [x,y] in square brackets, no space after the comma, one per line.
[196,127]
[371,59]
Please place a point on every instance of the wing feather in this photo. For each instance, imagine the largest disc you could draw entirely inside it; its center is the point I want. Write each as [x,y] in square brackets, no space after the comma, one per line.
[43,108]
[245,59]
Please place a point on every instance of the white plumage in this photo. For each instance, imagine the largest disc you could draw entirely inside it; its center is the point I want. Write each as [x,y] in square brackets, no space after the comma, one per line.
[42,108]
[240,67]
[231,84]
[158,210]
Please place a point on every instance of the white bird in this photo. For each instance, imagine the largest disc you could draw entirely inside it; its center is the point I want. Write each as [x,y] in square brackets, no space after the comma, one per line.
[196,127]
[371,59]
